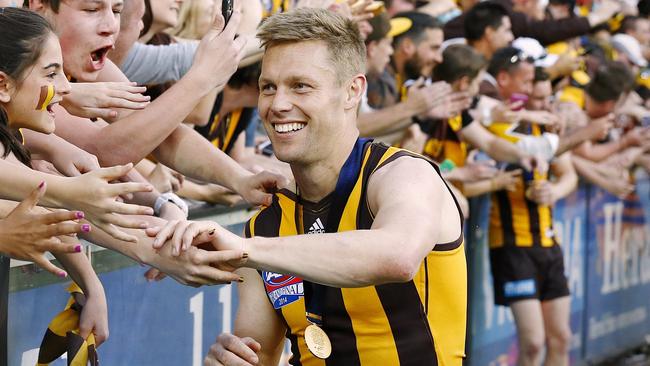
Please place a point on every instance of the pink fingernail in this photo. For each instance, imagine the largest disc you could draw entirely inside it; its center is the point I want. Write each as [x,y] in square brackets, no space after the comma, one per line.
[62,274]
[41,184]
[85,228]
[80,215]
[77,248]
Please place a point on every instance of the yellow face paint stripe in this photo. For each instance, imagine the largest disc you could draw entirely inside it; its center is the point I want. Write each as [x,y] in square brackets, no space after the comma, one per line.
[47,93]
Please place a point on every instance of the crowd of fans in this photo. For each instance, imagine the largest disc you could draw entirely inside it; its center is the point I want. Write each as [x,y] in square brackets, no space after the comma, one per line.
[115,114]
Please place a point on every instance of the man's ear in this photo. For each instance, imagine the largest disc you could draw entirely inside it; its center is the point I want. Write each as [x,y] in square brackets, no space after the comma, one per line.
[6,85]
[355,91]
[407,46]
[488,34]
[463,83]
[370,48]
[36,5]
[503,79]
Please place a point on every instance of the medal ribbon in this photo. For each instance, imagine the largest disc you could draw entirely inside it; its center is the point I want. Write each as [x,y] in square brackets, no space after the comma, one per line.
[315,293]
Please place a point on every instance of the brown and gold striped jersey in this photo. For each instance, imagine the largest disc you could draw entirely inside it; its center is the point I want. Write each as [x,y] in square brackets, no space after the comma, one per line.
[420,322]
[514,219]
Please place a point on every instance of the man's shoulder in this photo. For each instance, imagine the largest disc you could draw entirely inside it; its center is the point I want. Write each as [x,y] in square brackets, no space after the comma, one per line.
[403,168]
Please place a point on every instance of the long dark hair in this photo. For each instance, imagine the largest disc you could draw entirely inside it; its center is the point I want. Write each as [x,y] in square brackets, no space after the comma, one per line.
[22,33]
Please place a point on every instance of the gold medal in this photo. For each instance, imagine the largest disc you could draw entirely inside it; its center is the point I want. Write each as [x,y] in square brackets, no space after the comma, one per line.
[318,342]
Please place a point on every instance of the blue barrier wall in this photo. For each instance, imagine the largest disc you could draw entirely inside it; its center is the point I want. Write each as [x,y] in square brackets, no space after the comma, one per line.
[162,323]
[606,245]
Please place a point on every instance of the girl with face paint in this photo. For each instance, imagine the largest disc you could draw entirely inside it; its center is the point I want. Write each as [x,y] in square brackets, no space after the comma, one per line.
[31,81]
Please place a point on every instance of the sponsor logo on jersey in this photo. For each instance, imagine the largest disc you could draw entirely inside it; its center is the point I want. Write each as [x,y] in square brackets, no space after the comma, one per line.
[281,289]
[317,227]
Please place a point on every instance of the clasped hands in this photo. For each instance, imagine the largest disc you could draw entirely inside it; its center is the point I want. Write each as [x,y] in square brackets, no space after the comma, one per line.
[209,252]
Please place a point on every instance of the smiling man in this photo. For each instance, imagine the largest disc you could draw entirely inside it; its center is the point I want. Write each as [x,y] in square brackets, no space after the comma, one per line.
[381,277]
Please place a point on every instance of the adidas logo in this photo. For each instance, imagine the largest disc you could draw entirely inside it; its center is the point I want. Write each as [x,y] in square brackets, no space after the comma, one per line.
[317,227]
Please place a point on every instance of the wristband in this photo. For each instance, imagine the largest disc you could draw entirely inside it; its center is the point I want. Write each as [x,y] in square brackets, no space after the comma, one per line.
[169,197]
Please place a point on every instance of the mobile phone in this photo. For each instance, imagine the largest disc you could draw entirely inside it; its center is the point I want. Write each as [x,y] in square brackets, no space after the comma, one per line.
[518,97]
[227,9]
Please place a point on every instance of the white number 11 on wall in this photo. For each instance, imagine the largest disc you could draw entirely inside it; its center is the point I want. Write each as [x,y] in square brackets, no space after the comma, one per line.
[196,308]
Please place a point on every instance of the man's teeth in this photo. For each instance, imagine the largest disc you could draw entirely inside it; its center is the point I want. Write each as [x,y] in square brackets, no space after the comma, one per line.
[288,127]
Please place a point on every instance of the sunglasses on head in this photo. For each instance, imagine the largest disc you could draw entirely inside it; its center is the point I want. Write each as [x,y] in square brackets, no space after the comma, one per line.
[519,57]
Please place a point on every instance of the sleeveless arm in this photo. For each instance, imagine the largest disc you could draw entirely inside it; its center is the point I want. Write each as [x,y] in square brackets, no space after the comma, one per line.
[255,309]
[411,216]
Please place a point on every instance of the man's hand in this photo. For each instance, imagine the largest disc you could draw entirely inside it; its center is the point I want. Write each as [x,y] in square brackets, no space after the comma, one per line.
[165,179]
[421,98]
[258,188]
[541,192]
[450,105]
[181,235]
[26,233]
[232,350]
[506,180]
[198,267]
[219,53]
[94,317]
[73,161]
[102,100]
[530,162]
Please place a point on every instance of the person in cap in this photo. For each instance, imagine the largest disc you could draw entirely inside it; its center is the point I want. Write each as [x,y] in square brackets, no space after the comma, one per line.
[395,117]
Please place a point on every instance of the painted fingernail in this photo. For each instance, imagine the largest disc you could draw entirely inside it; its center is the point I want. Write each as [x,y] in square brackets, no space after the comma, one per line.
[40,185]
[80,215]
[62,274]
[77,248]
[85,228]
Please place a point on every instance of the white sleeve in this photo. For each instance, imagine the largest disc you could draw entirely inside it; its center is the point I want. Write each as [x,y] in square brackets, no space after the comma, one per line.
[149,64]
[545,145]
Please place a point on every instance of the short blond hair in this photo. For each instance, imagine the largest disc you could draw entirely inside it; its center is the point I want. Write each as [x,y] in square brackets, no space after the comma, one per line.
[344,43]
